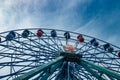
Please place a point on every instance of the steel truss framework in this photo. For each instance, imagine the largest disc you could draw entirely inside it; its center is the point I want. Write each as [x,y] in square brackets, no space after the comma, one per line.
[24,54]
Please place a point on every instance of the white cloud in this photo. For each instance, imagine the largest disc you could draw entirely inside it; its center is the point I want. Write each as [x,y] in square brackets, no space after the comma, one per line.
[29,13]
[17,14]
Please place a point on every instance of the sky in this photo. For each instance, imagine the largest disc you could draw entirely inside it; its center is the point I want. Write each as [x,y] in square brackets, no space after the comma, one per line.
[97,18]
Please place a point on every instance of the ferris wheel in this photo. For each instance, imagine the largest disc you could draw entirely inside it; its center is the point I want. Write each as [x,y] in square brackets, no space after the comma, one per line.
[50,54]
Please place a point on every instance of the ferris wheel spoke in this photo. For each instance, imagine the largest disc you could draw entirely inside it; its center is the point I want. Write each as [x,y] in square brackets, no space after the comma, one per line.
[16,49]
[19,65]
[23,69]
[53,40]
[82,46]
[34,46]
[60,43]
[106,63]
[104,58]
[58,48]
[105,71]
[12,55]
[82,76]
[75,76]
[79,76]
[37,43]
[3,49]
[49,46]
[15,62]
[93,73]
[12,63]
[111,56]
[99,53]
[15,73]
[18,54]
[111,53]
[9,57]
[85,48]
[23,60]
[1,57]
[94,54]
[80,71]
[47,42]
[88,50]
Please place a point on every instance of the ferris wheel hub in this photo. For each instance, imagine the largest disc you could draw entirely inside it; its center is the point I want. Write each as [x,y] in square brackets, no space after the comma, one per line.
[71,57]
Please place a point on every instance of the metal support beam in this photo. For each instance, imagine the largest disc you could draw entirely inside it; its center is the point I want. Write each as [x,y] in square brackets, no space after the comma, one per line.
[62,72]
[92,72]
[34,72]
[51,70]
[99,68]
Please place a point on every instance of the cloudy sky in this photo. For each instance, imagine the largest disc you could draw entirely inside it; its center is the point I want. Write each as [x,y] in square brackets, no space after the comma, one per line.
[97,18]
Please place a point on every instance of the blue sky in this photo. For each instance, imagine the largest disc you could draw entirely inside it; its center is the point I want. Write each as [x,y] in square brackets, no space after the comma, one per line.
[98,18]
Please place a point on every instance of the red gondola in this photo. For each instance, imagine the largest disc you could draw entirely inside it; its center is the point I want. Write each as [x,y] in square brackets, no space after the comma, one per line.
[119,54]
[39,33]
[80,38]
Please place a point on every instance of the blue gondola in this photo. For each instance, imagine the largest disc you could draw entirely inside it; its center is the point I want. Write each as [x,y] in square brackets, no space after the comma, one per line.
[67,35]
[94,42]
[53,33]
[109,48]
[10,36]
[25,33]
[106,46]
